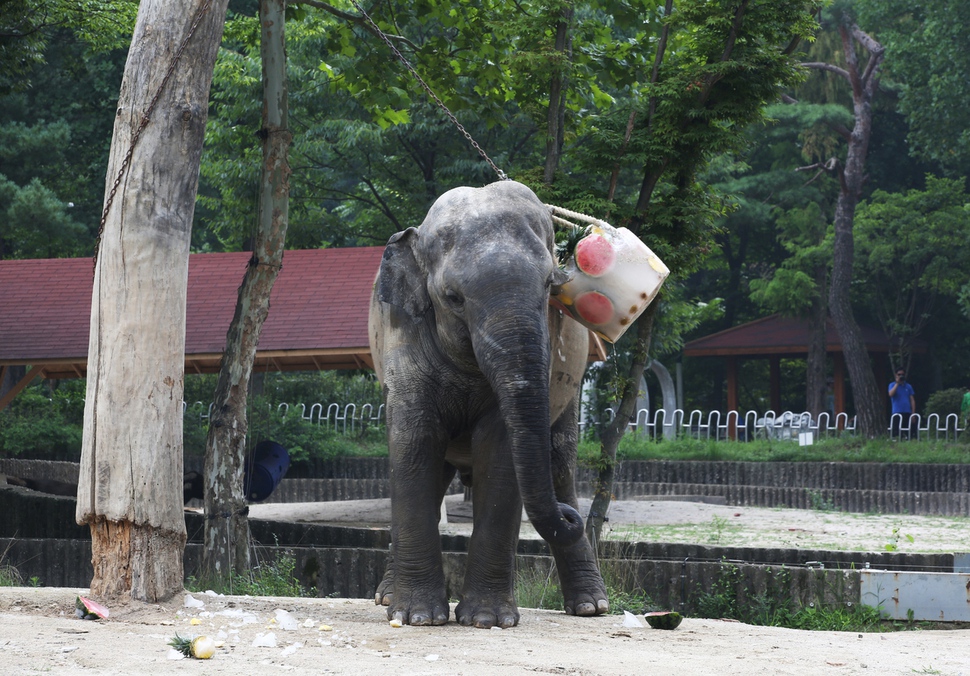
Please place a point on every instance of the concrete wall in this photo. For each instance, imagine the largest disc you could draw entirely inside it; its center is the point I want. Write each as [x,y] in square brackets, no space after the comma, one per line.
[39,537]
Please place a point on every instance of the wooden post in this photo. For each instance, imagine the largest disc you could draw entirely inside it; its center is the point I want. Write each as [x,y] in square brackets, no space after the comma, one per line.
[130,478]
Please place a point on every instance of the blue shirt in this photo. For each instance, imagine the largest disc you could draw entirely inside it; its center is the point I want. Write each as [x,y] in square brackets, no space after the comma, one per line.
[901,398]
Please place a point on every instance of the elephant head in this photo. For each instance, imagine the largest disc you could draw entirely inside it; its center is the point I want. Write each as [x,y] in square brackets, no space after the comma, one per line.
[478,275]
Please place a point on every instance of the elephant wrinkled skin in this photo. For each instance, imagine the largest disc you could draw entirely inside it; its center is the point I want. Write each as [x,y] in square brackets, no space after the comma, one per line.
[480,377]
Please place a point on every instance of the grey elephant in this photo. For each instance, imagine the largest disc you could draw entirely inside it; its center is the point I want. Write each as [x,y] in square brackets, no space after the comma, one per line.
[480,377]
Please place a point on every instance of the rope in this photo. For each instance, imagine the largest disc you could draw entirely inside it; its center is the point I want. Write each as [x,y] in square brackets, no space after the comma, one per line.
[560,216]
[501,174]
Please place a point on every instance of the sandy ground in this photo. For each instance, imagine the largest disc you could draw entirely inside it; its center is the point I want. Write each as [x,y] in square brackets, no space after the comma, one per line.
[40,634]
[659,520]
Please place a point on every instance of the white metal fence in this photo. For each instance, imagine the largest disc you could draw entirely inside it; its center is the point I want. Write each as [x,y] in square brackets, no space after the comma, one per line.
[660,424]
[344,418]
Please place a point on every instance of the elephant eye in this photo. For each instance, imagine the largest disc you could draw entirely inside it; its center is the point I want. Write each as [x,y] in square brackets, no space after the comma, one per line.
[454,299]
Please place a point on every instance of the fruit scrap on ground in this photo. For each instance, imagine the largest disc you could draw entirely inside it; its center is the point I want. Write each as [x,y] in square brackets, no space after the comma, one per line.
[664,619]
[87,609]
[200,647]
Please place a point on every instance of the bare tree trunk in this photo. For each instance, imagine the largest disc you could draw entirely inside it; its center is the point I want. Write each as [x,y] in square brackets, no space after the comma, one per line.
[815,362]
[613,432]
[130,484]
[863,78]
[227,523]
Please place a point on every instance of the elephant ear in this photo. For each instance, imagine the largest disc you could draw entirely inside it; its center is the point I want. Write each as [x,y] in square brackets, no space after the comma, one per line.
[402,283]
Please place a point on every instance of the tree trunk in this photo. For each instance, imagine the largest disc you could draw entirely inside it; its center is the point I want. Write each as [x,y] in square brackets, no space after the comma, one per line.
[614,431]
[130,483]
[815,362]
[871,418]
[227,523]
[557,100]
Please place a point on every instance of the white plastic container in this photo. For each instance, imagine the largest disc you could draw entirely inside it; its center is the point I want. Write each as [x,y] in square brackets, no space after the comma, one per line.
[613,278]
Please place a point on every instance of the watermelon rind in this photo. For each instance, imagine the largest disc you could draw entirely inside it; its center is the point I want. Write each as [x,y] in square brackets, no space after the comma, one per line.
[86,609]
[664,619]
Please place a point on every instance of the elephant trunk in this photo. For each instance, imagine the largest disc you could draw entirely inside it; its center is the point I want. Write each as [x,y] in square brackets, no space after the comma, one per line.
[514,357]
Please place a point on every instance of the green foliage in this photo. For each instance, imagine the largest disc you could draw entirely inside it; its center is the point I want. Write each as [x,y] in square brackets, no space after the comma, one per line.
[729,597]
[895,538]
[272,577]
[945,402]
[10,577]
[27,26]
[44,423]
[806,235]
[538,587]
[911,248]
[292,427]
[927,53]
[54,140]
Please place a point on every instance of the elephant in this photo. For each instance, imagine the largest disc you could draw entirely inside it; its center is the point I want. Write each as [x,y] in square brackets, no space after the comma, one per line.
[481,377]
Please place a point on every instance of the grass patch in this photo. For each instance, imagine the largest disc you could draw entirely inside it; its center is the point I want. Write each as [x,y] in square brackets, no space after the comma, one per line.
[539,588]
[848,449]
[270,578]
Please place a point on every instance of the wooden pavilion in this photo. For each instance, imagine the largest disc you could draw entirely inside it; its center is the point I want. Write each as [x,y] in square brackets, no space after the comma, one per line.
[774,338]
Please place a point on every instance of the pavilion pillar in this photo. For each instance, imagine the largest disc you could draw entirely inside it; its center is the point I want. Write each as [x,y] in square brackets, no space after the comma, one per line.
[774,387]
[732,394]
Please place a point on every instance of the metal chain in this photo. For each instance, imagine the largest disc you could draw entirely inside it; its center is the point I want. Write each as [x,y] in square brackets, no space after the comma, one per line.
[145,119]
[451,116]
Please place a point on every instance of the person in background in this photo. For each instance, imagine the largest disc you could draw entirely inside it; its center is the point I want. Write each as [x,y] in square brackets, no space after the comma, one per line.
[904,402]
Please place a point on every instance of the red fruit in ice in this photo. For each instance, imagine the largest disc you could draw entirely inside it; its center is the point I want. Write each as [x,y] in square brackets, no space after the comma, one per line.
[595,255]
[594,307]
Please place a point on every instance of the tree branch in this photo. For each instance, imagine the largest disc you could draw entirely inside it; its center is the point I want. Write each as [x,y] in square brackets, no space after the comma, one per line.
[352,18]
[815,65]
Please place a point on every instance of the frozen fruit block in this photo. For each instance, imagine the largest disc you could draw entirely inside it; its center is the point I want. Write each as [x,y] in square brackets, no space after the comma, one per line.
[613,276]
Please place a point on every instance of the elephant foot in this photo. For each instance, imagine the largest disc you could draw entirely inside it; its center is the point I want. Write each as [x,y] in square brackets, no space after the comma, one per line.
[384,595]
[587,605]
[418,612]
[485,613]
[583,590]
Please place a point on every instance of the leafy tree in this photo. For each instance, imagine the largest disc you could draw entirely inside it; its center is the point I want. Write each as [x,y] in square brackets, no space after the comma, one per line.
[861,72]
[725,61]
[227,541]
[27,26]
[54,138]
[912,250]
[927,58]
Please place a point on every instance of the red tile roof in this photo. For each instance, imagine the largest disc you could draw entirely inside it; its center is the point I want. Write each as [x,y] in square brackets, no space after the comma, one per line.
[317,318]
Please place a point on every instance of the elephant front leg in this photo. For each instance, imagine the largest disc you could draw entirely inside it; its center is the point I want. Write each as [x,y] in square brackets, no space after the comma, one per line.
[385,590]
[488,591]
[583,589]
[418,596]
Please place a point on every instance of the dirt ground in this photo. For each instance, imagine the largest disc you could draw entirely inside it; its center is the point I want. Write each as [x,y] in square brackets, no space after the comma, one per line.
[39,632]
